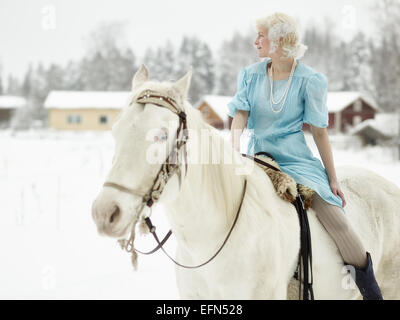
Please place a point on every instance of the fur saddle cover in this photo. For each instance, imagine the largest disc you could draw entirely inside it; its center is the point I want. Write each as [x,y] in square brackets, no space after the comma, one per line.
[284,184]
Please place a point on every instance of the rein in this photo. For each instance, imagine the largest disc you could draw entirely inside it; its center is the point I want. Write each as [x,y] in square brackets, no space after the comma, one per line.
[166,171]
[160,244]
[171,166]
[304,272]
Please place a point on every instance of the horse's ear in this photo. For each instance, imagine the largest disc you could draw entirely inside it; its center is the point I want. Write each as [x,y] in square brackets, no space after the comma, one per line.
[140,77]
[183,83]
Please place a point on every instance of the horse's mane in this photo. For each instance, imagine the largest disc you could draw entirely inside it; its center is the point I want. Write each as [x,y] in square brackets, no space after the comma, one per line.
[220,177]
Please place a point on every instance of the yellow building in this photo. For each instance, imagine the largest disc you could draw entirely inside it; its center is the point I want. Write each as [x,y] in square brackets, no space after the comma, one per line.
[84,110]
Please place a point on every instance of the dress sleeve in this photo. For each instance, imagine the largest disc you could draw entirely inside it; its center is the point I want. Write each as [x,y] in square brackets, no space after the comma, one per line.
[315,98]
[239,101]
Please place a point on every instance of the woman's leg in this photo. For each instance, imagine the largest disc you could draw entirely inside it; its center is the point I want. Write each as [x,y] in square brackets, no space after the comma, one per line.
[339,228]
[350,247]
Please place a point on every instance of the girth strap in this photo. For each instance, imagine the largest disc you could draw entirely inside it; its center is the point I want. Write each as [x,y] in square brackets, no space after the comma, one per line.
[305,256]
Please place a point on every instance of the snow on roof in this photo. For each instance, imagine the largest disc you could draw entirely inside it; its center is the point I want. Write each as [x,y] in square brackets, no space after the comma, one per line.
[386,123]
[218,103]
[87,99]
[12,102]
[338,100]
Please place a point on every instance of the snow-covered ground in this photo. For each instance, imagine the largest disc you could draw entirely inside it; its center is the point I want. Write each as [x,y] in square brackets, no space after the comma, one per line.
[49,246]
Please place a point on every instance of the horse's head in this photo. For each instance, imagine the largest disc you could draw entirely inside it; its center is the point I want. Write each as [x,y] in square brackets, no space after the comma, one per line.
[145,134]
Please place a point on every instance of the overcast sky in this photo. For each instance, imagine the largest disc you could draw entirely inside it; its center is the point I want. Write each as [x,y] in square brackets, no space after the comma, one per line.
[53,30]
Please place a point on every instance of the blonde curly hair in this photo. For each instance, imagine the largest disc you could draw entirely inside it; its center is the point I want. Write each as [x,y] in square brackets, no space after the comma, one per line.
[283,31]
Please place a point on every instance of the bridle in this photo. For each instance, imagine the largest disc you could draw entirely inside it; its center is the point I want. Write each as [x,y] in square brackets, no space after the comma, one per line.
[168,168]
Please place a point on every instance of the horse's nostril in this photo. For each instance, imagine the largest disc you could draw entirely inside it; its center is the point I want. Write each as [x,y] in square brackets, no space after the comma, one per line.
[115,214]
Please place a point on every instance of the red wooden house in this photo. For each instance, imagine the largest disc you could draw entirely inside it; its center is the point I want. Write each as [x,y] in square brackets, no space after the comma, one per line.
[347,109]
[214,110]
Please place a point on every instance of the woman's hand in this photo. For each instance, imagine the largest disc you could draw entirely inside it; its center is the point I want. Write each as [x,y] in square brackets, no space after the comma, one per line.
[337,192]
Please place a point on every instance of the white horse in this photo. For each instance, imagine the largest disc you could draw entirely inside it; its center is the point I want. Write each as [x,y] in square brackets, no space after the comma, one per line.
[261,255]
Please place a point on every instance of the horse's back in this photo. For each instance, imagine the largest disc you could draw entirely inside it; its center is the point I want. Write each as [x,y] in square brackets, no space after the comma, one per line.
[372,201]
[373,207]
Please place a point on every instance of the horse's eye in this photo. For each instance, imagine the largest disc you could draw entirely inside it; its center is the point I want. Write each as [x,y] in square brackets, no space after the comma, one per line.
[161,136]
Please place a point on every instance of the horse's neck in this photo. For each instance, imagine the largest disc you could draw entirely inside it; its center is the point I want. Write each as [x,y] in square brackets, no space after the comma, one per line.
[204,211]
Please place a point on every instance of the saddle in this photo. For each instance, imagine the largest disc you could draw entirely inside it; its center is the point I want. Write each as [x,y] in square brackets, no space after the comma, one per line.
[285,186]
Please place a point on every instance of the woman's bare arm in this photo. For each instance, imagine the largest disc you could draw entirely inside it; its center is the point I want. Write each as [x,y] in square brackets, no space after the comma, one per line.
[321,139]
[238,124]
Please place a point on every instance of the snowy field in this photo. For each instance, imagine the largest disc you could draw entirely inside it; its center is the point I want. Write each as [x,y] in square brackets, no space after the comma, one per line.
[49,246]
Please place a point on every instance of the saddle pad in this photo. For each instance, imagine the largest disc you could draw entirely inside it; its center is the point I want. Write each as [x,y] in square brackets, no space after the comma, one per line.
[285,186]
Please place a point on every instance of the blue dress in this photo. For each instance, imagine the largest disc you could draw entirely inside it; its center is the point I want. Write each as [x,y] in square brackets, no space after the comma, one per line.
[280,134]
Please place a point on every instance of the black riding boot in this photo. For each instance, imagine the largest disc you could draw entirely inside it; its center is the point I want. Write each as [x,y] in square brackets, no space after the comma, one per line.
[366,282]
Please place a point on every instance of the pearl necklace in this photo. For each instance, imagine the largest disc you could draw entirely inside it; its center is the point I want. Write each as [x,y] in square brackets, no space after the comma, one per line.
[284,96]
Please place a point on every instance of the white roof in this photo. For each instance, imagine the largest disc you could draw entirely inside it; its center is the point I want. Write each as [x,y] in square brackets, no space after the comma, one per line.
[87,99]
[12,102]
[219,104]
[338,100]
[386,123]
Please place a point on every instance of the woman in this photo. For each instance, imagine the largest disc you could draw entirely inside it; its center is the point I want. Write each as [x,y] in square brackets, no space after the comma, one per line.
[273,99]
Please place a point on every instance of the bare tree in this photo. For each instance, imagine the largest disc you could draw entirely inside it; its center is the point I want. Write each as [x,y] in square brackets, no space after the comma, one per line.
[105,38]
[233,55]
[194,52]
[109,64]
[386,68]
